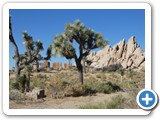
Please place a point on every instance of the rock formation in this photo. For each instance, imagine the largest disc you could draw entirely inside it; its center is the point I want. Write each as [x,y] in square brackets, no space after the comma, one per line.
[129,55]
[35,66]
[46,66]
[67,66]
[57,65]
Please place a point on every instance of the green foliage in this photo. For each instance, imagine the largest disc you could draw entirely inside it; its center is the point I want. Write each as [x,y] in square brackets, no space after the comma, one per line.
[21,83]
[32,51]
[39,45]
[108,88]
[85,37]
[62,47]
[11,84]
[130,73]
[38,82]
[110,68]
[89,90]
[122,71]
[30,44]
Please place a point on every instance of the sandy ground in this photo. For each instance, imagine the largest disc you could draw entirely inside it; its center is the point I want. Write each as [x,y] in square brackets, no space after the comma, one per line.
[65,103]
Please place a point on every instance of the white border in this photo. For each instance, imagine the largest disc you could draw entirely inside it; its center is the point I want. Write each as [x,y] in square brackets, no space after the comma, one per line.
[8,6]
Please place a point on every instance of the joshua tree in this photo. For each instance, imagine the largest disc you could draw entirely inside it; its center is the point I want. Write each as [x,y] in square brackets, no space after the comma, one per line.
[122,73]
[130,72]
[27,58]
[65,43]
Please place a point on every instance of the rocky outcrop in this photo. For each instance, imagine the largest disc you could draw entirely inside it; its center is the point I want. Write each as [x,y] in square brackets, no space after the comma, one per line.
[36,93]
[129,55]
[67,66]
[46,66]
[35,66]
[57,66]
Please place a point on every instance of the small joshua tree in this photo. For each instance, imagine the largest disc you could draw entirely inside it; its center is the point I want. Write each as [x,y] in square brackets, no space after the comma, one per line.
[87,39]
[130,72]
[121,71]
[27,58]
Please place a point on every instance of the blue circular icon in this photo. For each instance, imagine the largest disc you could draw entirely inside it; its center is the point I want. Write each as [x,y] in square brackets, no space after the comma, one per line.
[147,99]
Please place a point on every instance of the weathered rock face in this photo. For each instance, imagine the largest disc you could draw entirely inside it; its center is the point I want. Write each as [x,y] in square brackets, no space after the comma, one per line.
[67,66]
[35,66]
[129,55]
[36,94]
[57,66]
[46,64]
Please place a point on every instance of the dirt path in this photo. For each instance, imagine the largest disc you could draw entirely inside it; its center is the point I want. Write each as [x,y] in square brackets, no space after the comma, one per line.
[65,103]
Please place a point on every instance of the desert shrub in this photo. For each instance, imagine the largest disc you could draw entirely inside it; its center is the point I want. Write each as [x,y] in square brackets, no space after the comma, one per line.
[64,83]
[99,69]
[75,90]
[112,68]
[90,90]
[98,76]
[121,71]
[37,82]
[91,78]
[21,83]
[12,84]
[115,102]
[41,76]
[78,91]
[101,76]
[74,68]
[15,95]
[130,74]
[108,88]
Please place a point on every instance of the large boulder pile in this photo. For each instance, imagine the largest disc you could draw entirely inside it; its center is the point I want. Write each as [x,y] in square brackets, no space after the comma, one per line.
[128,55]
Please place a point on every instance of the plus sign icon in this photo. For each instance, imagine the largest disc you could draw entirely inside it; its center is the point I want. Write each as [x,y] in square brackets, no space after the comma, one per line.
[147,99]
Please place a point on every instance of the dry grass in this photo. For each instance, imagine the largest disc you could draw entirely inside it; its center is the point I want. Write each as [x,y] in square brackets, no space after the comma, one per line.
[113,103]
[65,83]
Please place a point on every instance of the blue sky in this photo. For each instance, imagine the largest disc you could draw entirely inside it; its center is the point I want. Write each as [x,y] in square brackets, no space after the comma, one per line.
[45,24]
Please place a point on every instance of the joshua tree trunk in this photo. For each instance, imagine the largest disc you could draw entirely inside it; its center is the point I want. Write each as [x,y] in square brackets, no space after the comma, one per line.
[17,74]
[80,70]
[17,59]
[28,82]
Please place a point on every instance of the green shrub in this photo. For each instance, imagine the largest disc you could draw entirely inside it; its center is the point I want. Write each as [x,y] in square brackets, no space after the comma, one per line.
[89,90]
[98,76]
[37,82]
[112,68]
[108,88]
[102,76]
[21,83]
